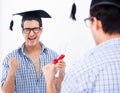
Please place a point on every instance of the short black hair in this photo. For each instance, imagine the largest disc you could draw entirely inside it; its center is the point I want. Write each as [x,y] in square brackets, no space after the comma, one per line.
[31,18]
[109,16]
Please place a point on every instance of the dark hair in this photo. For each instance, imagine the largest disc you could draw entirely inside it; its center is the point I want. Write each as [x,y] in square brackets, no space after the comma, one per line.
[109,16]
[31,18]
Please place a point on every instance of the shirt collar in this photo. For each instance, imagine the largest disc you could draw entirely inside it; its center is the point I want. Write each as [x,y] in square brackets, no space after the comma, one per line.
[44,48]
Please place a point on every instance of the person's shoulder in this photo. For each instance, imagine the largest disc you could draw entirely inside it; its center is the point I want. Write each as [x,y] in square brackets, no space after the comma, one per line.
[14,52]
[49,50]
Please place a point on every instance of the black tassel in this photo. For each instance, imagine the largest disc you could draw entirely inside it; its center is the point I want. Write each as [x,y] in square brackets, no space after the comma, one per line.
[73,11]
[11,25]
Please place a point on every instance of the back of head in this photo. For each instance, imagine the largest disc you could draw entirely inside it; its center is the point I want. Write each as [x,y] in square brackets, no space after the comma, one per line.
[108,12]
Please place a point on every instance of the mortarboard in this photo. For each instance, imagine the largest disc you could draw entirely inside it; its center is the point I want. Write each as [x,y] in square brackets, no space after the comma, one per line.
[38,14]
[73,11]
[105,2]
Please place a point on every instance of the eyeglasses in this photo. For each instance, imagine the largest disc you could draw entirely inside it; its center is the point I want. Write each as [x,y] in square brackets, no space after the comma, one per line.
[35,30]
[88,20]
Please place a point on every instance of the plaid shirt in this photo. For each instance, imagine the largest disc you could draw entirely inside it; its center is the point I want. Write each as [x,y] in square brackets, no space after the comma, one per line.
[97,72]
[26,80]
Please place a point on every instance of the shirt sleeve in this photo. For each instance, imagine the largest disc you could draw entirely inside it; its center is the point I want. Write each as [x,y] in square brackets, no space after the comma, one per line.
[69,84]
[5,68]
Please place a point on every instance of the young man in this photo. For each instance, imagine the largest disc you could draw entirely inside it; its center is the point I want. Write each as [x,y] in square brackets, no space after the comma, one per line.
[99,70]
[22,68]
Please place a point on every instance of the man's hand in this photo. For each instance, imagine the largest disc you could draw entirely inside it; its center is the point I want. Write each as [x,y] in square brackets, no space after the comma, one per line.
[13,64]
[49,71]
[9,84]
[61,65]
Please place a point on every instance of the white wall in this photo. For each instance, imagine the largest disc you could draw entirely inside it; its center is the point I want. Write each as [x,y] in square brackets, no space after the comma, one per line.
[60,33]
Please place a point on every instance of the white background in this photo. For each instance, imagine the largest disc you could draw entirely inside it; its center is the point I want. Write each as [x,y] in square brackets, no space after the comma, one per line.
[61,33]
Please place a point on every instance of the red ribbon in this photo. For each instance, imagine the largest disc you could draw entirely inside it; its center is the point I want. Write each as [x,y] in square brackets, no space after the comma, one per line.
[59,58]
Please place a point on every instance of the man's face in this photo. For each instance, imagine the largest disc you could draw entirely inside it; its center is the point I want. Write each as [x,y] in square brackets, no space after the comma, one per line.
[31,32]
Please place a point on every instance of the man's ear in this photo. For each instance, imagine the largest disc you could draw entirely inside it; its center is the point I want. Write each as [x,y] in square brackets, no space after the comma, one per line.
[97,24]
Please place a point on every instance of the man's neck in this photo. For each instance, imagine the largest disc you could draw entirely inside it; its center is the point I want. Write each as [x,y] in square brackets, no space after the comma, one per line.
[33,51]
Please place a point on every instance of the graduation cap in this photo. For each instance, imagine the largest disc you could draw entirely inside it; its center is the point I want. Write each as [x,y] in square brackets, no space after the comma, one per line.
[35,14]
[73,12]
[105,2]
